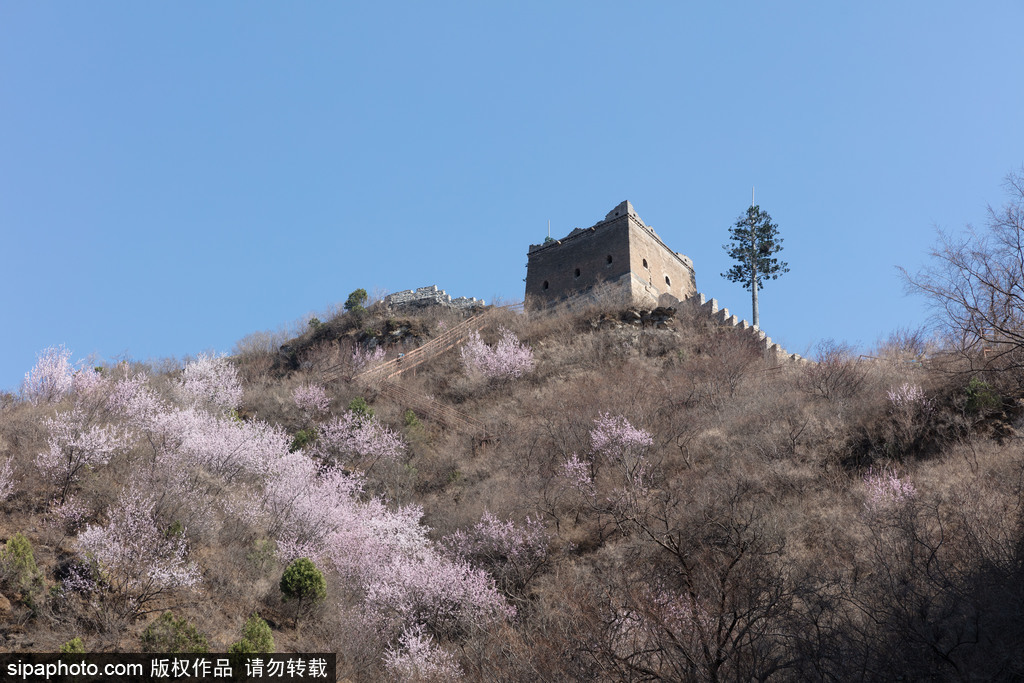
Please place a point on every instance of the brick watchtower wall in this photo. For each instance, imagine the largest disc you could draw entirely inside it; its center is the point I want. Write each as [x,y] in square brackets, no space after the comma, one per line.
[579,262]
[658,273]
[621,253]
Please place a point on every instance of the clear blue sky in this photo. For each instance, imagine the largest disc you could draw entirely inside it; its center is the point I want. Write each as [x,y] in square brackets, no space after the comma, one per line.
[174,176]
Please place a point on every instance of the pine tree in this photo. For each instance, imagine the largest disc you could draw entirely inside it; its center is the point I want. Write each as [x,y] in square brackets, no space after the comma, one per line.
[302,581]
[755,241]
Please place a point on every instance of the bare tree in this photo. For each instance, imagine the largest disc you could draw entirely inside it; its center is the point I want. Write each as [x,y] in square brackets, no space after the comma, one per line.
[976,284]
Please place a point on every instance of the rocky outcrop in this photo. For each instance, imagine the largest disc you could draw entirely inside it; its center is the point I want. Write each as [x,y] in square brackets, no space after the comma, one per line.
[659,318]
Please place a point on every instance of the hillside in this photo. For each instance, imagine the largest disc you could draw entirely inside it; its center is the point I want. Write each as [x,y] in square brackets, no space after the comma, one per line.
[572,495]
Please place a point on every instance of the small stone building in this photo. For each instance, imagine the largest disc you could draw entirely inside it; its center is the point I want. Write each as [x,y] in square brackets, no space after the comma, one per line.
[618,257]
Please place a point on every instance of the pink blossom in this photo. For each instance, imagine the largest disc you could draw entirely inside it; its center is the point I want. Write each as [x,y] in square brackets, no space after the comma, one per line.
[51,377]
[74,446]
[625,447]
[6,480]
[509,359]
[579,475]
[886,491]
[132,398]
[68,516]
[612,436]
[192,437]
[224,445]
[89,385]
[364,360]
[908,397]
[137,559]
[311,399]
[417,659]
[357,442]
[79,578]
[512,553]
[211,382]
[383,554]
[448,597]
[303,505]
[187,445]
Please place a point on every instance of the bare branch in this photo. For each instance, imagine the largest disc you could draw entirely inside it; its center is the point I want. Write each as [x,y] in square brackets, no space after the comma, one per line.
[976,284]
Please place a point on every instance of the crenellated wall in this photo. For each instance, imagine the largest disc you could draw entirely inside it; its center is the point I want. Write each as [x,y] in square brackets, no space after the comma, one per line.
[709,307]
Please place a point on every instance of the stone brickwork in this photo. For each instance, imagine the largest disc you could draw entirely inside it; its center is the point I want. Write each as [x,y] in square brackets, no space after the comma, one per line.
[621,256]
[423,297]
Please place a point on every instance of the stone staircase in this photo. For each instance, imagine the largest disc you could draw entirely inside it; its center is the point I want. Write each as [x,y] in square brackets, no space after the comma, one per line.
[426,405]
[381,376]
[451,338]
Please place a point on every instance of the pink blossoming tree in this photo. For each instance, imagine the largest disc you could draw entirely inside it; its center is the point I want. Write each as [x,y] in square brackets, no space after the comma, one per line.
[508,359]
[182,452]
[211,382]
[511,553]
[417,658]
[138,559]
[357,442]
[51,377]
[887,492]
[312,400]
[614,443]
[364,359]
[613,481]
[393,570]
[74,446]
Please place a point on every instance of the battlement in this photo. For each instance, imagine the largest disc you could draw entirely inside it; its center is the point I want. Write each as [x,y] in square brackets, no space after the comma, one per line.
[721,316]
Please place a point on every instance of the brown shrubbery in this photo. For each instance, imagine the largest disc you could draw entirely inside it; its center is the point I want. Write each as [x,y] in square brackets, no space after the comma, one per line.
[706,515]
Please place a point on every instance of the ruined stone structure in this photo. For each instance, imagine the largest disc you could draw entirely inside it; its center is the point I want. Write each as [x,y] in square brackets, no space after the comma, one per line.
[620,256]
[422,297]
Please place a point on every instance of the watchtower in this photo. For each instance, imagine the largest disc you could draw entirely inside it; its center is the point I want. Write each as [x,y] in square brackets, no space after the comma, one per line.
[621,254]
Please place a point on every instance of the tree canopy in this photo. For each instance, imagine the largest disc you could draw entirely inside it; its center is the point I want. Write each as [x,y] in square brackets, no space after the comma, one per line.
[356,300]
[754,243]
